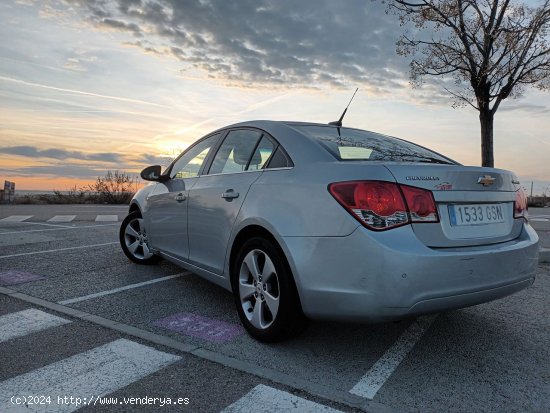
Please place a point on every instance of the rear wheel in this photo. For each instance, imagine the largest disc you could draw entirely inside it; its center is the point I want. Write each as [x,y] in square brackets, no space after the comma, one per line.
[265,293]
[134,241]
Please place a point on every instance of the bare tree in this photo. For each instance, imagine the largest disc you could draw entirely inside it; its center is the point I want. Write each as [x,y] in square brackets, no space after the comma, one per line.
[114,188]
[492,49]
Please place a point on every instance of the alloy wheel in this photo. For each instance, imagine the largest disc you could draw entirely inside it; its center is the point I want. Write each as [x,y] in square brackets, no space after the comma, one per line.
[135,238]
[259,289]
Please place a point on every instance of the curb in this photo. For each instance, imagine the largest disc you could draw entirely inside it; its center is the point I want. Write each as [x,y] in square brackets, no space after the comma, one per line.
[544,255]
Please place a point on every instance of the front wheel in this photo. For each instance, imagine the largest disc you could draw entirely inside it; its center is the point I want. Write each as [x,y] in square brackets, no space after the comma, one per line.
[265,294]
[134,241]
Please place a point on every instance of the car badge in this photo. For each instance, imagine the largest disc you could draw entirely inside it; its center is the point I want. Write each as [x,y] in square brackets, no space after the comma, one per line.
[486,180]
[422,178]
[445,186]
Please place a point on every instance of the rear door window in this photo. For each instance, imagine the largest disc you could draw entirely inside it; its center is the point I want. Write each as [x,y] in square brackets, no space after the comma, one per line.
[235,152]
[262,153]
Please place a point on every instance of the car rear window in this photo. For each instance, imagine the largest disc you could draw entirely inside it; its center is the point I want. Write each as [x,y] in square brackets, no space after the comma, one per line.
[348,144]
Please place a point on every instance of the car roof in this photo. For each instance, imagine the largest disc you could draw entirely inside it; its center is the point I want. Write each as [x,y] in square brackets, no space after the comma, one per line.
[268,124]
[261,123]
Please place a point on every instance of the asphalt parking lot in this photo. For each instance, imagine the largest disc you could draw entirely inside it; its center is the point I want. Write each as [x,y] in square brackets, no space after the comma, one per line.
[69,277]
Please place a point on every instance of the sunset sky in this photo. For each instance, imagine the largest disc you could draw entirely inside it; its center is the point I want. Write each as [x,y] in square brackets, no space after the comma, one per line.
[91,86]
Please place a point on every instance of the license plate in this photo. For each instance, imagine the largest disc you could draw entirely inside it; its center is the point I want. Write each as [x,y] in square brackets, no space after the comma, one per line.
[476,214]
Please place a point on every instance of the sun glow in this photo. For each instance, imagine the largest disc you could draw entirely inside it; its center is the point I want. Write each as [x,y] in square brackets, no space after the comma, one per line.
[171,149]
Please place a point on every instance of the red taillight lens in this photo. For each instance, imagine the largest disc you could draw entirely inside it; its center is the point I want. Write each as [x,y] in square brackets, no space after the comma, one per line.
[383,205]
[381,198]
[421,204]
[520,205]
[377,205]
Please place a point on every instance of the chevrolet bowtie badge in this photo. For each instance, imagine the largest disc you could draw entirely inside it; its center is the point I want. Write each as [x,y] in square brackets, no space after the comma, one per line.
[486,180]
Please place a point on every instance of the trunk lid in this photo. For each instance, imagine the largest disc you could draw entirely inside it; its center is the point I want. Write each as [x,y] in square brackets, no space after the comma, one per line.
[475,205]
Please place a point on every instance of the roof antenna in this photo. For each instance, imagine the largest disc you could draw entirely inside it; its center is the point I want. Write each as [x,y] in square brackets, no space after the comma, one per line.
[339,121]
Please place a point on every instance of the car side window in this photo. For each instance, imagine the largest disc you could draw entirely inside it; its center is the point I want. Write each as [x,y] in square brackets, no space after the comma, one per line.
[262,153]
[279,159]
[189,164]
[235,152]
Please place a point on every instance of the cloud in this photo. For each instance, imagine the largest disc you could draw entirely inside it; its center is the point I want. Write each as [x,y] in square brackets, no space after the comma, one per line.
[250,42]
[61,154]
[68,170]
[79,92]
[148,159]
[527,107]
[79,60]
[117,25]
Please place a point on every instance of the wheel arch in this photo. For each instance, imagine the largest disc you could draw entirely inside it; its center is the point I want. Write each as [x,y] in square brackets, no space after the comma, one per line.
[134,207]
[255,230]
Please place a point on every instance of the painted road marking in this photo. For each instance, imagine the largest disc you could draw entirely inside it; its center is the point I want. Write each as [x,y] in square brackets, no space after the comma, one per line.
[375,378]
[62,218]
[539,219]
[61,227]
[194,325]
[18,277]
[119,289]
[16,218]
[106,218]
[99,371]
[26,322]
[46,225]
[57,250]
[267,399]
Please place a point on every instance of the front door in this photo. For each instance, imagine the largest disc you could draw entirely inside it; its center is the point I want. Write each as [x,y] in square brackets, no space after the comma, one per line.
[168,203]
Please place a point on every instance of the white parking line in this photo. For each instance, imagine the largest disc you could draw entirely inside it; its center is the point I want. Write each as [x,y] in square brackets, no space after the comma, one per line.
[123,207]
[93,373]
[539,219]
[26,322]
[375,378]
[119,289]
[267,399]
[57,229]
[106,218]
[62,218]
[40,223]
[59,249]
[16,218]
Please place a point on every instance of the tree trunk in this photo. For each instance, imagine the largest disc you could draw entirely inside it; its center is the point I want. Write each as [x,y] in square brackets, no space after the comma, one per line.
[486,119]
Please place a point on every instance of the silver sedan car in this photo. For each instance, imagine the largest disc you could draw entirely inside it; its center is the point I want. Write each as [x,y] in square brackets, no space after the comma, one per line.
[311,221]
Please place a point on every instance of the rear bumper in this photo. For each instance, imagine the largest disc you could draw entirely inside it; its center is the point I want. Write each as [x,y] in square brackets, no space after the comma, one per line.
[369,276]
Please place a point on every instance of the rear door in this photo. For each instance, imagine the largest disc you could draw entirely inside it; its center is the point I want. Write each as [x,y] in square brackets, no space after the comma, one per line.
[216,198]
[168,204]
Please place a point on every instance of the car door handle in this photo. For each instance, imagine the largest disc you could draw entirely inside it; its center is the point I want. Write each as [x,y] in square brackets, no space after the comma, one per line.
[230,194]
[180,197]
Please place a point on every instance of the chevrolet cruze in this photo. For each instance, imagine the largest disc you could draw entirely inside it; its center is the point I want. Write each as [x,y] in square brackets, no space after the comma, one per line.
[311,221]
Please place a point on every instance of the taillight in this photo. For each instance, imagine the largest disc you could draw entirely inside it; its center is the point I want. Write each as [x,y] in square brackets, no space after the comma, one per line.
[421,204]
[382,205]
[520,205]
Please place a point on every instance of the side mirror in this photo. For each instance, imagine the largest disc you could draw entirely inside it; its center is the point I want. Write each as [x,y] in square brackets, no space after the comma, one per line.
[152,173]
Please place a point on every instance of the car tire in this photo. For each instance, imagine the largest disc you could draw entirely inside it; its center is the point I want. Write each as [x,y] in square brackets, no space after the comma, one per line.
[265,293]
[134,242]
